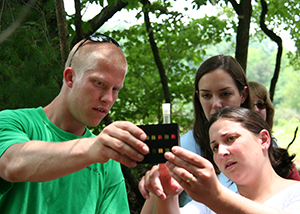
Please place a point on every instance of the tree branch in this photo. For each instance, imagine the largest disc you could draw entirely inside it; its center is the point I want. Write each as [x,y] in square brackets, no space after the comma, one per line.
[276,39]
[235,6]
[14,26]
[105,14]
[160,66]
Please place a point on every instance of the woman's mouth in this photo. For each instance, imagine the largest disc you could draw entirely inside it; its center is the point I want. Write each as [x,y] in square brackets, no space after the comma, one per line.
[229,164]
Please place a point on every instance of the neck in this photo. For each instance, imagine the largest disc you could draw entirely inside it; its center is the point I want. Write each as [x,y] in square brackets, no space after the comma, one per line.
[58,113]
[264,188]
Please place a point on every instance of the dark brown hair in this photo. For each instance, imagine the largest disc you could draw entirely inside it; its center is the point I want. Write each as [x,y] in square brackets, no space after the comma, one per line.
[253,122]
[226,63]
[259,90]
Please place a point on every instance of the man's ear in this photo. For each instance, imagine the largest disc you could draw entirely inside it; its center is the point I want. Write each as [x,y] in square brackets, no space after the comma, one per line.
[245,94]
[69,76]
[265,138]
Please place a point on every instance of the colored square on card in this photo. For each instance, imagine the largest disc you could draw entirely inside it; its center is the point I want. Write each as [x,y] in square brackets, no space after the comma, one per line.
[160,139]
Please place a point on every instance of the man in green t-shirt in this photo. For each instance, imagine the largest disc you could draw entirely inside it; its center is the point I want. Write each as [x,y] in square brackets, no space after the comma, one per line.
[50,162]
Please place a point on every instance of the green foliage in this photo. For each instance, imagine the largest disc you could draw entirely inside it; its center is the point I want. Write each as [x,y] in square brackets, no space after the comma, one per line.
[199,3]
[30,68]
[257,68]
[290,81]
[29,64]
[283,15]
[181,48]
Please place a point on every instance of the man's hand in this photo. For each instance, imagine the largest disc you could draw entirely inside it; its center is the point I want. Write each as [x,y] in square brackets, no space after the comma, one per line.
[121,141]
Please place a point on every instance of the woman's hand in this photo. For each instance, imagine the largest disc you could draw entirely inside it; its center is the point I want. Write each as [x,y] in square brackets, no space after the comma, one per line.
[159,182]
[194,173]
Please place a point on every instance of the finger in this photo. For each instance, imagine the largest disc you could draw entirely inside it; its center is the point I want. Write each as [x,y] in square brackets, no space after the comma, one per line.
[112,154]
[188,157]
[143,189]
[130,134]
[182,176]
[153,181]
[117,139]
[123,149]
[132,128]
[177,161]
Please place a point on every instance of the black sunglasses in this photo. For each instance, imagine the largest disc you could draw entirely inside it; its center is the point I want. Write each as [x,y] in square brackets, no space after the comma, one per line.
[97,37]
[261,105]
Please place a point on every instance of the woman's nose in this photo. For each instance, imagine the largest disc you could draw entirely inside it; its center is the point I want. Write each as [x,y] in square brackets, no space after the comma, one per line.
[217,103]
[223,150]
[256,109]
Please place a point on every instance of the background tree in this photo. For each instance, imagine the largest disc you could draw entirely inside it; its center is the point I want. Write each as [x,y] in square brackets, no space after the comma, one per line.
[30,62]
[164,50]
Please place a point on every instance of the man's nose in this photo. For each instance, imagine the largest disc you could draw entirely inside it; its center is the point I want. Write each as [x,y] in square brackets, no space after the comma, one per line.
[107,96]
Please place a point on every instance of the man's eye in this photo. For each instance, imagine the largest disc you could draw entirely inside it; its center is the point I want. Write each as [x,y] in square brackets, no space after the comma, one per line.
[115,89]
[99,83]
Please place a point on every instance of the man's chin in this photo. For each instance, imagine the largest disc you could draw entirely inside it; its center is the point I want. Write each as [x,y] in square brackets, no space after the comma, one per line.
[94,123]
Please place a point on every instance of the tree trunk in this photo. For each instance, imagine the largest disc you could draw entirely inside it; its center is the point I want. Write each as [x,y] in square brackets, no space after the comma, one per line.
[244,11]
[62,30]
[78,24]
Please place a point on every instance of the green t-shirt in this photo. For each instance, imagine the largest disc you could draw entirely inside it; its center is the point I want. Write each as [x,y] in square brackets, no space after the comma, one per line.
[99,188]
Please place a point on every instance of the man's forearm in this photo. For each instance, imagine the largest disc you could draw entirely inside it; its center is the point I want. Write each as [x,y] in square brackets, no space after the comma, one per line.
[38,161]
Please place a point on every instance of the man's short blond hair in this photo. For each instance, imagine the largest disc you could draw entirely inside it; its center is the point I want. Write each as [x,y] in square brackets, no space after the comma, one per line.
[88,54]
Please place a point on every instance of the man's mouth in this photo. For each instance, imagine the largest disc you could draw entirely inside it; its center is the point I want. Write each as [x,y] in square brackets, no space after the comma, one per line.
[98,109]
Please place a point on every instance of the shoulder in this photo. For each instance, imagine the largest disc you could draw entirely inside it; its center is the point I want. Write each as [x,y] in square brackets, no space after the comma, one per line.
[18,116]
[187,141]
[287,199]
[17,113]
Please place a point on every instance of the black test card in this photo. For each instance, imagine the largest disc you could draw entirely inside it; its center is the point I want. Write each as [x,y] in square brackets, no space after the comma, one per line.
[160,139]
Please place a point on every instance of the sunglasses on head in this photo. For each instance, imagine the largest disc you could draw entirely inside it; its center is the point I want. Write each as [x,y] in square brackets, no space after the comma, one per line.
[261,105]
[97,37]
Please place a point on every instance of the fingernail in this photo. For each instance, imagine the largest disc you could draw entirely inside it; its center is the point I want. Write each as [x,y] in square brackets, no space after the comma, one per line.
[174,149]
[158,193]
[143,137]
[178,190]
[145,149]
[167,155]
[140,157]
[133,164]
[168,163]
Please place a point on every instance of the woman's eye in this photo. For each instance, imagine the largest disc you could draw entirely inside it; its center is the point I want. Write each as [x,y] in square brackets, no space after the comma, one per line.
[225,94]
[231,138]
[205,96]
[214,148]
[115,89]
